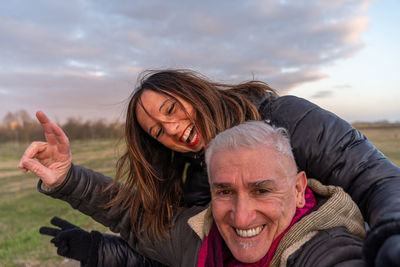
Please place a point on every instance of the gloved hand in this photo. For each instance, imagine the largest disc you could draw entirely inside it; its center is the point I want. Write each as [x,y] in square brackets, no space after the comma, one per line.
[389,253]
[71,241]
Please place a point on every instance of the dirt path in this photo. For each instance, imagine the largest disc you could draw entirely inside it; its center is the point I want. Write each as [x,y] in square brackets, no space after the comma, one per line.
[65,263]
[68,263]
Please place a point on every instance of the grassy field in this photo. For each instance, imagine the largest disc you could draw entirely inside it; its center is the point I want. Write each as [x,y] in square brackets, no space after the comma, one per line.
[387,140]
[23,210]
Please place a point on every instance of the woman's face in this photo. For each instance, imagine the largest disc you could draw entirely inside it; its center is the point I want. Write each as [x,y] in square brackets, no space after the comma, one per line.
[165,119]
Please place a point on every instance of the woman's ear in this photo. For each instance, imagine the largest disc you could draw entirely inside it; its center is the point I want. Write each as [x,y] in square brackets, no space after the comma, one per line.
[301,184]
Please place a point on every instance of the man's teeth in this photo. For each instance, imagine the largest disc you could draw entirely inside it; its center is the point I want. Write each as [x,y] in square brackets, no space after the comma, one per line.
[249,232]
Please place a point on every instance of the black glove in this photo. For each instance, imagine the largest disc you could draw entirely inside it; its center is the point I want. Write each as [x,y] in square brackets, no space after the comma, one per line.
[71,241]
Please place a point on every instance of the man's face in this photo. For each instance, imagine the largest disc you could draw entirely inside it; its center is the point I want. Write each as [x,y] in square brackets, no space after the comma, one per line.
[255,193]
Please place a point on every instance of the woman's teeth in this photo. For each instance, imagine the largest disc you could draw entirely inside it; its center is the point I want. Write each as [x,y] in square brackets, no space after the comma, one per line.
[185,137]
[249,232]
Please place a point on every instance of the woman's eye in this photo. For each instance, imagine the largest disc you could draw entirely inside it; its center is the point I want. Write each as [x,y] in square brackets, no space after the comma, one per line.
[171,108]
[158,133]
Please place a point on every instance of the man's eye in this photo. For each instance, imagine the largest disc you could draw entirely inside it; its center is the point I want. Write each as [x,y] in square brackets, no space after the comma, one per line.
[261,191]
[224,192]
[171,109]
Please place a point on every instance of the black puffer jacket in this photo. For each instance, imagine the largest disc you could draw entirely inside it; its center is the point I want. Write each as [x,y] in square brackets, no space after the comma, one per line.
[325,147]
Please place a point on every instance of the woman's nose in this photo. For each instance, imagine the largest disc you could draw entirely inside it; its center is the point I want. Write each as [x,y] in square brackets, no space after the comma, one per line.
[171,128]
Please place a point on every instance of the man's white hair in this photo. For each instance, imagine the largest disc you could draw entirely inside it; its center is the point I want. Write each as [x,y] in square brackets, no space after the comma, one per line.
[250,134]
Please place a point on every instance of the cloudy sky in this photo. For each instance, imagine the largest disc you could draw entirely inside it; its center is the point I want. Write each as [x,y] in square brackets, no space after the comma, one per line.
[81,58]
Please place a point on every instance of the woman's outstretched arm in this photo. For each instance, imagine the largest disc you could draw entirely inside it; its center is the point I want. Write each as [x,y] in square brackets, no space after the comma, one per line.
[331,150]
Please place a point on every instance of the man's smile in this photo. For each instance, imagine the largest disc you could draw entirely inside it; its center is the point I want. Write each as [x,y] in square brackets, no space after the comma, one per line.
[249,232]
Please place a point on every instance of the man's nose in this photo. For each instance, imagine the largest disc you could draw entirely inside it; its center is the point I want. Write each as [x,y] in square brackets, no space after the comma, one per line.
[243,213]
[171,128]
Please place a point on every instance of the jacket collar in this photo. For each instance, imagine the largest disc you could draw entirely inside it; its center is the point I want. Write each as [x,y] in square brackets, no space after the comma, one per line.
[201,222]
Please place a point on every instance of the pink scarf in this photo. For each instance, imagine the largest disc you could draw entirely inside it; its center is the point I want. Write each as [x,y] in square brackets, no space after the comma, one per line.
[215,253]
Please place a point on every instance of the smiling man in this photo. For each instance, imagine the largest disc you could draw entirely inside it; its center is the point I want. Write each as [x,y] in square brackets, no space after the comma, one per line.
[255,193]
[263,212]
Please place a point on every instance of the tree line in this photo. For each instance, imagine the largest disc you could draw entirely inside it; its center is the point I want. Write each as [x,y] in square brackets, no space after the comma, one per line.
[20,127]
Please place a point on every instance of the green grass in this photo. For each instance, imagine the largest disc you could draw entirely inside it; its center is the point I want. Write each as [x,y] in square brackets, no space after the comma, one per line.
[21,219]
[23,210]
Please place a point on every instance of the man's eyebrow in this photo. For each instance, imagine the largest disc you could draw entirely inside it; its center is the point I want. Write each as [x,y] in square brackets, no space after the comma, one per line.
[251,184]
[262,183]
[221,185]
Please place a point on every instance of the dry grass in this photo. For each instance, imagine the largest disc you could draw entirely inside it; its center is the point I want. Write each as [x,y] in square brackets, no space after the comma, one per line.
[386,139]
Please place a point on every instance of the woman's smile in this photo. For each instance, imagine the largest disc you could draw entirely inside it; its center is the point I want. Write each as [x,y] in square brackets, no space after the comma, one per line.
[190,136]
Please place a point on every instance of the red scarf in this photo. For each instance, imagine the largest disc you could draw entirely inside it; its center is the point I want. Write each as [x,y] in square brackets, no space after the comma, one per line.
[215,253]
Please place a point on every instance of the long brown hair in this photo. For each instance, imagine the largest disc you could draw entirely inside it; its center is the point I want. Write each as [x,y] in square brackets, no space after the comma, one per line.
[152,178]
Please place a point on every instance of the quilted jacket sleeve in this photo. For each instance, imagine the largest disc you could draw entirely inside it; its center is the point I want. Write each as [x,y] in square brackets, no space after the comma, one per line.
[84,189]
[112,251]
[181,249]
[331,150]
[333,247]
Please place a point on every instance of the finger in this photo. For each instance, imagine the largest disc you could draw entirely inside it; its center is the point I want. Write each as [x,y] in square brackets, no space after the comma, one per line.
[44,230]
[21,166]
[61,138]
[63,249]
[63,224]
[57,241]
[32,165]
[34,149]
[45,174]
[60,243]
[46,125]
